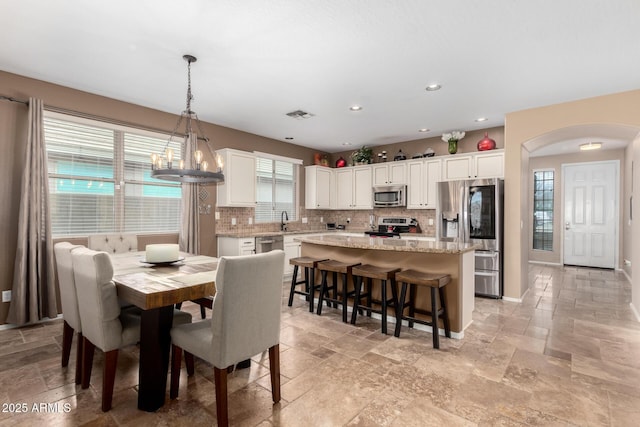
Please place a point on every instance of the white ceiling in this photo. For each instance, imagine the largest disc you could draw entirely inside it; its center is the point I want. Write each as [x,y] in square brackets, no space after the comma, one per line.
[258,60]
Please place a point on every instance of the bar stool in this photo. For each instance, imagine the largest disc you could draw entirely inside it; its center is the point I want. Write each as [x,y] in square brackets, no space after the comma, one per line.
[309,264]
[435,281]
[335,267]
[371,272]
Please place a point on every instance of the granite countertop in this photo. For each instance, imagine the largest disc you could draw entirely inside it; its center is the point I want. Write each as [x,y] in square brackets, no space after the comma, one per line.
[405,244]
[243,234]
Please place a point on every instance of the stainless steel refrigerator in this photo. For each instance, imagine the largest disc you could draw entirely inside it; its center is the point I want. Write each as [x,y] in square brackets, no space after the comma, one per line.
[472,211]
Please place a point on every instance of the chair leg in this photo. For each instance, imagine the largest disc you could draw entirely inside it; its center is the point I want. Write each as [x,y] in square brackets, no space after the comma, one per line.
[188,361]
[311,281]
[383,315]
[445,314]
[294,279]
[176,361]
[67,338]
[274,368]
[400,309]
[357,282]
[108,378]
[434,319]
[222,409]
[203,314]
[87,361]
[323,289]
[79,347]
[178,306]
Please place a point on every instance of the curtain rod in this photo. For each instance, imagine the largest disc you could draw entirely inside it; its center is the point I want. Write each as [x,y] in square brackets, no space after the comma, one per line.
[93,117]
[8,98]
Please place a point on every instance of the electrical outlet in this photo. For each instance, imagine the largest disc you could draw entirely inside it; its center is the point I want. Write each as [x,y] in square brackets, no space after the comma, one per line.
[250,220]
[6,296]
[233,221]
[321,219]
[430,221]
[304,220]
[217,214]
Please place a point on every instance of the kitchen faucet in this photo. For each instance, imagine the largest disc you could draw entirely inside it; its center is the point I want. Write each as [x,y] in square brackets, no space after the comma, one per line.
[284,216]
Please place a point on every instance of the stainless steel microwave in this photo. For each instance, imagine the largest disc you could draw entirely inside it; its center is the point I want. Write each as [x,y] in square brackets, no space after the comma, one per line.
[389,196]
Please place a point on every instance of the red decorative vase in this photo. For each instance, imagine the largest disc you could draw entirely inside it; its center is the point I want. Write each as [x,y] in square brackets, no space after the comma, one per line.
[340,163]
[486,143]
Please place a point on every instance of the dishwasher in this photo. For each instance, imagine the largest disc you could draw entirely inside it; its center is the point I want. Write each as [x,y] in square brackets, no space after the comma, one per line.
[269,243]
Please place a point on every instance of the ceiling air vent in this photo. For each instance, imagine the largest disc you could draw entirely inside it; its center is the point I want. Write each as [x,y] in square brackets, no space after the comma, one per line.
[299,114]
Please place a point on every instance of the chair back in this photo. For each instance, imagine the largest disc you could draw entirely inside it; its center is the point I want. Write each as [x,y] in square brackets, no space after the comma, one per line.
[114,243]
[97,298]
[67,283]
[246,308]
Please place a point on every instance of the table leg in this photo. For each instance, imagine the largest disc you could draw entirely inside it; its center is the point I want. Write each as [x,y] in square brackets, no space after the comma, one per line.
[154,357]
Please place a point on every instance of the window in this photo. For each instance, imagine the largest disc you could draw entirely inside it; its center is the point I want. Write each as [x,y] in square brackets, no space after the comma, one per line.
[543,210]
[100,178]
[276,188]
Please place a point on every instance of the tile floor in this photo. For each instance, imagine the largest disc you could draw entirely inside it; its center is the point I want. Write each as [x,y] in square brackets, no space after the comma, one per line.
[569,354]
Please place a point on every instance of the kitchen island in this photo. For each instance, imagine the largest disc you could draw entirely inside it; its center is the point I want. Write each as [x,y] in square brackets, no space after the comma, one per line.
[456,259]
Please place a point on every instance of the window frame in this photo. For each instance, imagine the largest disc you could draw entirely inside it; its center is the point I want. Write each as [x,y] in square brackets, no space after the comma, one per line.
[547,237]
[118,180]
[296,164]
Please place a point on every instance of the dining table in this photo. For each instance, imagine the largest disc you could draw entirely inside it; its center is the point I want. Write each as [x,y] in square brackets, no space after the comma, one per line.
[156,288]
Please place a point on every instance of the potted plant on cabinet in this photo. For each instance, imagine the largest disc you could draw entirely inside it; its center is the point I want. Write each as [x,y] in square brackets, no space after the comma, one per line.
[362,156]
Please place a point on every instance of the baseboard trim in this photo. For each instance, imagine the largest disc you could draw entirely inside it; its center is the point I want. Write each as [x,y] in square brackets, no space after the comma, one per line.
[555,264]
[625,274]
[518,300]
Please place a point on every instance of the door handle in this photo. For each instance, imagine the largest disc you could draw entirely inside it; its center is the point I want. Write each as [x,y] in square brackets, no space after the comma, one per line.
[567,225]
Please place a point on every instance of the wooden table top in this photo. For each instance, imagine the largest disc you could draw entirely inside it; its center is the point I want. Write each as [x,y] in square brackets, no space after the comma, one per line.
[152,286]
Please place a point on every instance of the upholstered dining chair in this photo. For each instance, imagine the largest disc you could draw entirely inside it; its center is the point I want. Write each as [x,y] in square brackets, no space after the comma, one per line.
[69,300]
[245,321]
[104,324]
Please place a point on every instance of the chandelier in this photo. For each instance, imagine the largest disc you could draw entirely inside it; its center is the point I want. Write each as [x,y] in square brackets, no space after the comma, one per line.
[195,169]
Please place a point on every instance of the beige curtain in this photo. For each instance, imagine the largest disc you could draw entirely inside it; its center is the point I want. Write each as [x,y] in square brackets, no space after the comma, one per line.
[190,219]
[34,294]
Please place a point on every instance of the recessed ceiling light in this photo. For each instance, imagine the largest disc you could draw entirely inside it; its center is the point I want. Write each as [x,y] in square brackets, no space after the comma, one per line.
[433,87]
[481,119]
[591,146]
[355,108]
[423,130]
[346,143]
[288,137]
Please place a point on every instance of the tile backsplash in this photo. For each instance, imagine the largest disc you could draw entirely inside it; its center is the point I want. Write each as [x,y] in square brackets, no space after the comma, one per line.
[316,220]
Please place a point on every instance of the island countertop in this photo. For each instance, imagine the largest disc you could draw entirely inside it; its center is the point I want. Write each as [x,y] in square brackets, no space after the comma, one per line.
[398,245]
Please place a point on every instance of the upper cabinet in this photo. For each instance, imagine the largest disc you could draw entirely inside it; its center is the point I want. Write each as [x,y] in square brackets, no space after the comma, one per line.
[389,173]
[478,165]
[422,178]
[353,187]
[239,186]
[318,187]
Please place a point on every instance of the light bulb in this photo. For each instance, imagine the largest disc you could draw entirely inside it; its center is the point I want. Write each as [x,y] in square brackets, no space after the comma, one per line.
[205,165]
[198,156]
[169,153]
[181,164]
[219,161]
[154,159]
[159,163]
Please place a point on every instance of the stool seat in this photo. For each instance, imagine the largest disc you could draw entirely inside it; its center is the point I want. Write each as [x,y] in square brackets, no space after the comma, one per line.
[371,272]
[309,264]
[436,283]
[374,272]
[335,267]
[434,280]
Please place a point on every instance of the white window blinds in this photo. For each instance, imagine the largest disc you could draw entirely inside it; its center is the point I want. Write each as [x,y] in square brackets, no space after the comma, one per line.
[100,179]
[276,189]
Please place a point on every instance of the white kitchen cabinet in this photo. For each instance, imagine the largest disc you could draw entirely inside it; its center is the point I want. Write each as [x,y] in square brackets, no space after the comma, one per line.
[422,178]
[291,250]
[389,173]
[489,165]
[353,188]
[319,182]
[477,165]
[233,246]
[239,186]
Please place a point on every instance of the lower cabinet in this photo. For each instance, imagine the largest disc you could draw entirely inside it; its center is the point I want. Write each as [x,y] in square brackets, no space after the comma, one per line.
[233,246]
[291,250]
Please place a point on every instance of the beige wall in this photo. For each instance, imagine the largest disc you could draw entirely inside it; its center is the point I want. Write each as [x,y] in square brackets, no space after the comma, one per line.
[622,109]
[13,117]
[555,163]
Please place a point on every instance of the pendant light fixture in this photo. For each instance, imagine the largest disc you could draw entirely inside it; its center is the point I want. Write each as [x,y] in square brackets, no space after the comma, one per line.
[194,169]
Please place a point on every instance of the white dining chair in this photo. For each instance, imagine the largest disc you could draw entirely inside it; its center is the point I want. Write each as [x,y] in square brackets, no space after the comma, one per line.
[104,324]
[69,300]
[245,321]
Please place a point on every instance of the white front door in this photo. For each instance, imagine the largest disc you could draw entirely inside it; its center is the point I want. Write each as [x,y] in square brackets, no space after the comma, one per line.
[590,214]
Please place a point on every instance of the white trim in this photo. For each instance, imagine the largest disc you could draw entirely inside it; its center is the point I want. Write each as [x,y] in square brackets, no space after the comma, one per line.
[635,312]
[276,157]
[556,264]
[518,300]
[625,275]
